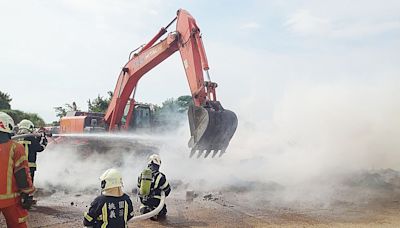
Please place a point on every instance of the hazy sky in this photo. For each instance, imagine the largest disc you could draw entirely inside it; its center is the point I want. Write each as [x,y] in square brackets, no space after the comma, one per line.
[54,52]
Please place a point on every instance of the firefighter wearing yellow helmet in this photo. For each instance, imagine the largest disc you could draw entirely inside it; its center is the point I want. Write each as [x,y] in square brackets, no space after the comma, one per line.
[33,144]
[113,208]
[150,184]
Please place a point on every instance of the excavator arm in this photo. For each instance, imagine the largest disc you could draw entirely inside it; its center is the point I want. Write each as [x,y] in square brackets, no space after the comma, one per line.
[140,64]
[211,126]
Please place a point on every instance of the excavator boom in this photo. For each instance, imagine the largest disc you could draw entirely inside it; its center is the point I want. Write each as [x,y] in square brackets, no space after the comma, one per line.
[211,126]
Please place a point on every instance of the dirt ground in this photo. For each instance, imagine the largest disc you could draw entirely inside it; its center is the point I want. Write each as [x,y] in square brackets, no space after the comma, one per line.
[232,209]
[358,199]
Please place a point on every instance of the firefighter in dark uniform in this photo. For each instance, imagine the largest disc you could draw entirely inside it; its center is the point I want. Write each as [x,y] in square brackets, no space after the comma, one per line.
[113,208]
[33,144]
[158,183]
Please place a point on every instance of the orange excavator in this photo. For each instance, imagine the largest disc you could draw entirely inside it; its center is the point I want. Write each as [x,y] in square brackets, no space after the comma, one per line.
[211,126]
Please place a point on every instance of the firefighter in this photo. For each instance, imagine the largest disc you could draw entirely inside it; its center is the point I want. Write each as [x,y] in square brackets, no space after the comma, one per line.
[15,180]
[33,144]
[113,208]
[150,187]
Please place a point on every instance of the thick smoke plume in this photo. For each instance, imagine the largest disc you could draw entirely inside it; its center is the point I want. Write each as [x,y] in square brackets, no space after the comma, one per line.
[314,138]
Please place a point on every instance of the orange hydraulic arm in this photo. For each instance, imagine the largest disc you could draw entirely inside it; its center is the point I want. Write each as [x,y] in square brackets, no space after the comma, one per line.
[187,40]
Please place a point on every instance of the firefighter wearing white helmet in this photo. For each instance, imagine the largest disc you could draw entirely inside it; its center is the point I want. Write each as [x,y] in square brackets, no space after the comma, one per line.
[150,184]
[26,126]
[113,208]
[33,144]
[15,181]
[155,158]
[6,123]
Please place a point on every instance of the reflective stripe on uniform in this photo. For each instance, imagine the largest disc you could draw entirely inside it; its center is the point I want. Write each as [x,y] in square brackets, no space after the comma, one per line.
[8,196]
[20,160]
[126,212]
[165,185]
[157,181]
[157,197]
[104,215]
[26,143]
[31,164]
[10,169]
[23,219]
[87,216]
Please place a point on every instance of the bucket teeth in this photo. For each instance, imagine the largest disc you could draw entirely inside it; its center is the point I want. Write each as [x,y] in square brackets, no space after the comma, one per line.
[215,153]
[206,153]
[192,153]
[200,153]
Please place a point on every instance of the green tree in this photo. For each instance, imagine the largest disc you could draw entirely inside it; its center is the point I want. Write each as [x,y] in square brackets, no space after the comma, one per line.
[172,111]
[36,119]
[99,104]
[169,105]
[61,111]
[5,100]
[179,105]
[18,115]
[184,102]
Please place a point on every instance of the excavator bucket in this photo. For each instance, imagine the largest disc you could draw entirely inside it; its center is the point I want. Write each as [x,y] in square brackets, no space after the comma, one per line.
[210,130]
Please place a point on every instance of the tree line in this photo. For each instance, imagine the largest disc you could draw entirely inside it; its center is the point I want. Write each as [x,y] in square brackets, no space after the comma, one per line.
[163,113]
[100,104]
[18,115]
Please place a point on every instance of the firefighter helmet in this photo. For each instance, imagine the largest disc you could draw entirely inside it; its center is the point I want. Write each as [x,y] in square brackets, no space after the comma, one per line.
[111,178]
[154,159]
[6,123]
[26,124]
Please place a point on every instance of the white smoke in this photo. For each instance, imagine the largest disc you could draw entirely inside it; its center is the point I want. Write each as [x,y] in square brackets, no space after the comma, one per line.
[316,134]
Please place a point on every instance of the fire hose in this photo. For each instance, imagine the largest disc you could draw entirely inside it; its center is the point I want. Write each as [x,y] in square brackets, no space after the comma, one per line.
[153,212]
[37,134]
[136,218]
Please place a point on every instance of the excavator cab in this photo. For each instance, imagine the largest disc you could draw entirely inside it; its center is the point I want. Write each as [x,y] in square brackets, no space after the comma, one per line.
[211,129]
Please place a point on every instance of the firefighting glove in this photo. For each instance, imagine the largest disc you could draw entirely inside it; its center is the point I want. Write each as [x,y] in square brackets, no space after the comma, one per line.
[43,140]
[143,199]
[147,197]
[152,194]
[26,200]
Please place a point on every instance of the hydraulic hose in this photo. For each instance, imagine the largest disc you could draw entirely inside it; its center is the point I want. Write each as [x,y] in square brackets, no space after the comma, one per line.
[153,212]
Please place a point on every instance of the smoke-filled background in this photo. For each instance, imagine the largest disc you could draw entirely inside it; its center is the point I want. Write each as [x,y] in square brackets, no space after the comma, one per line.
[319,142]
[315,86]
